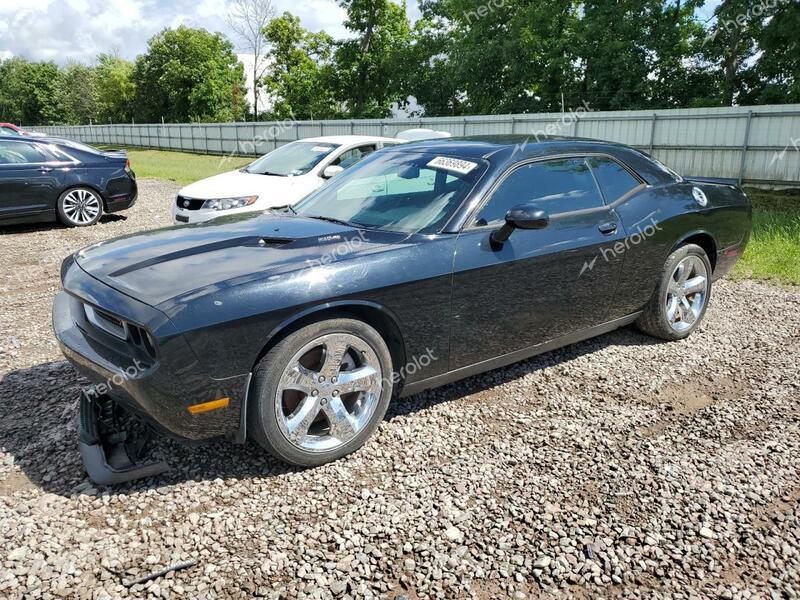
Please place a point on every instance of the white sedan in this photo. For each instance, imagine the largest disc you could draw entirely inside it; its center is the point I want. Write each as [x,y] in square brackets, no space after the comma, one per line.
[284,176]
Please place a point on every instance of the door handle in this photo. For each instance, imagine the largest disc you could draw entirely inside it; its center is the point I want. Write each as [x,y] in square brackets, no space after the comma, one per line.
[45,169]
[607,228]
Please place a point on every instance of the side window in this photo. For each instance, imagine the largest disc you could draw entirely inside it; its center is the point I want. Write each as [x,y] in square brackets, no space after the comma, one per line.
[557,186]
[614,179]
[8,131]
[352,156]
[20,153]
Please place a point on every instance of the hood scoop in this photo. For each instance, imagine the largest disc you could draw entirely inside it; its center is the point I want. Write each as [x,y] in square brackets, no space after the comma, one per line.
[274,242]
[240,242]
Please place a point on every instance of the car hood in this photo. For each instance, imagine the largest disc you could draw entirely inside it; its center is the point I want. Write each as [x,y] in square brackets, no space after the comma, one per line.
[238,183]
[191,260]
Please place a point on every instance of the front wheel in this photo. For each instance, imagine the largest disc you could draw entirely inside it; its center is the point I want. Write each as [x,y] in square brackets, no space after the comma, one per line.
[679,302]
[321,392]
[80,207]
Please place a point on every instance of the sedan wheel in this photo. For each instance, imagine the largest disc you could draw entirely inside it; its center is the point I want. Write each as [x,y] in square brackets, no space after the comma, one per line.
[681,298]
[321,392]
[80,207]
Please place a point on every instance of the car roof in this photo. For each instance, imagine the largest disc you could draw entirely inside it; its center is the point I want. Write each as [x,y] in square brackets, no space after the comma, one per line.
[349,139]
[484,146]
[509,149]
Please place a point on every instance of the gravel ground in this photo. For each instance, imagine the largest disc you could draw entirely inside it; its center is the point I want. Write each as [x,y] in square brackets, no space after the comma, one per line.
[620,466]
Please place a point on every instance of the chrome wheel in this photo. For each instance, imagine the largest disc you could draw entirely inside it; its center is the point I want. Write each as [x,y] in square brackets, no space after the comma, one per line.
[687,293]
[328,392]
[81,206]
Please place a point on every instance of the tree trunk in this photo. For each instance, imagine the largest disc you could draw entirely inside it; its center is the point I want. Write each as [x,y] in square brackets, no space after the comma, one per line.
[255,88]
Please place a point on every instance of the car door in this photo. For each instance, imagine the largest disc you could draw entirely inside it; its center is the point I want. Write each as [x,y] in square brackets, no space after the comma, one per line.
[542,284]
[29,180]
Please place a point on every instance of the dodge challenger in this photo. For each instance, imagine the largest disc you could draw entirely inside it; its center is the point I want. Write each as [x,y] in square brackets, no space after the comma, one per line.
[423,264]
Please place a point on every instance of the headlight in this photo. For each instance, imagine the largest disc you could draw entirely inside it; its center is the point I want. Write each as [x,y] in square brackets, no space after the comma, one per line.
[229,203]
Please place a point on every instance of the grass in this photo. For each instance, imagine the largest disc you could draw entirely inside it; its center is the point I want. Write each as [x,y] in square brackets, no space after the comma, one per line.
[772,254]
[181,167]
[774,249]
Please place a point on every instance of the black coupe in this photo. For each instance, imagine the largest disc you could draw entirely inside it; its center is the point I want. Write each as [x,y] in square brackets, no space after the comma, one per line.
[423,264]
[45,179]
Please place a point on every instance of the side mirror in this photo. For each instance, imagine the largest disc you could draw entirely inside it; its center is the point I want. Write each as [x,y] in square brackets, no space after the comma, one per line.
[331,171]
[522,216]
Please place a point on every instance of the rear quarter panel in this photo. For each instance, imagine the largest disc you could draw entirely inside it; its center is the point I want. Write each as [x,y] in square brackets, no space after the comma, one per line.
[659,218]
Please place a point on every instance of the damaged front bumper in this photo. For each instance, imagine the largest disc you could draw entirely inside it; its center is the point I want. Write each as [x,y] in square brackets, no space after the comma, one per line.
[113,443]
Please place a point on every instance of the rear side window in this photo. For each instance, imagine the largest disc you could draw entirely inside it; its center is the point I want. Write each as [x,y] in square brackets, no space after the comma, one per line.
[557,186]
[12,153]
[614,179]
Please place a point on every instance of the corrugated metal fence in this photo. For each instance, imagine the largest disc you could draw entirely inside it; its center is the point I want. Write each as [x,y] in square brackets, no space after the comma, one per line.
[751,144]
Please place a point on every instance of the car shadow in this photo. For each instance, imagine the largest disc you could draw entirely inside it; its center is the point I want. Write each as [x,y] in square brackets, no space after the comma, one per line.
[50,225]
[38,424]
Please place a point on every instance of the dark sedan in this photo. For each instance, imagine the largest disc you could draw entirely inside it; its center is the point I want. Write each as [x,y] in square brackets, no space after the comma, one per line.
[422,265]
[45,179]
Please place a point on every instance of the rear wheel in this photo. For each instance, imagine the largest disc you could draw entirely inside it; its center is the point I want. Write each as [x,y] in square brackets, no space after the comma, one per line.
[679,302]
[321,392]
[80,207]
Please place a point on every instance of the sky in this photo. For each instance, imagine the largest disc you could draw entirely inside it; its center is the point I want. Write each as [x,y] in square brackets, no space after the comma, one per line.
[63,30]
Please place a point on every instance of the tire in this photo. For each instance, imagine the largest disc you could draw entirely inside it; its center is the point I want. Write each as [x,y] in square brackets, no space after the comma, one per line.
[80,207]
[672,313]
[298,417]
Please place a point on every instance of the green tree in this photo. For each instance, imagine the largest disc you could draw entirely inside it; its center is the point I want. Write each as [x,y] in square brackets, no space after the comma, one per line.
[370,66]
[77,94]
[472,56]
[115,89]
[778,69]
[189,74]
[730,48]
[300,81]
[29,92]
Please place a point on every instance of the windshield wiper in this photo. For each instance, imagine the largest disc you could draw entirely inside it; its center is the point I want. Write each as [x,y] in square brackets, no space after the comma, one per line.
[331,220]
[284,207]
[247,170]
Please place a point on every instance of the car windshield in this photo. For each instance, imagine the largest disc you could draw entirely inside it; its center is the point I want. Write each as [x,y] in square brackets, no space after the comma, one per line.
[297,158]
[408,192]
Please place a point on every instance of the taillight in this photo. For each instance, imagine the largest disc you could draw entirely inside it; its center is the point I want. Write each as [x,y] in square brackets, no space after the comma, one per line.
[128,164]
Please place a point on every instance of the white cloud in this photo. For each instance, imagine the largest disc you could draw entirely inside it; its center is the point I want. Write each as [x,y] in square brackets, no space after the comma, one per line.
[63,30]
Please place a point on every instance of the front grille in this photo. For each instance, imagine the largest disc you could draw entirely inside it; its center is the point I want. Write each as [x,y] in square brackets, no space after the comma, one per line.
[189,203]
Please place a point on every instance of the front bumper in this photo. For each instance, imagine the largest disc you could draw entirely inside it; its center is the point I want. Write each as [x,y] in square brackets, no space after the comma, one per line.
[112,445]
[183,216]
[156,389]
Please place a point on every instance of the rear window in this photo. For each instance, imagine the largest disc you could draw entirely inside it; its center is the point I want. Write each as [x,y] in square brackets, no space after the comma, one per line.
[614,179]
